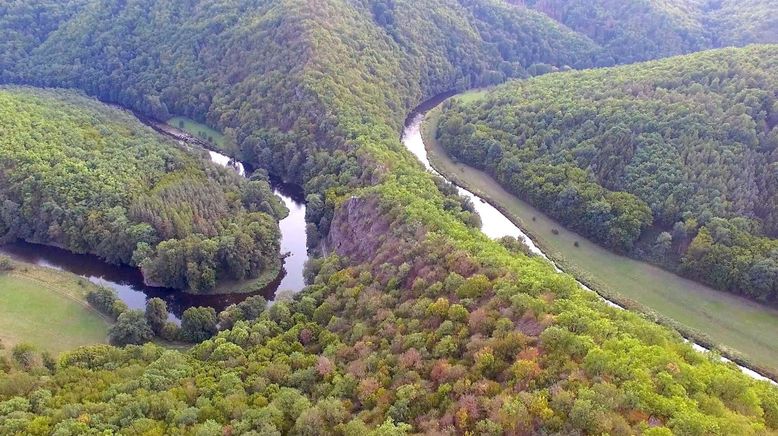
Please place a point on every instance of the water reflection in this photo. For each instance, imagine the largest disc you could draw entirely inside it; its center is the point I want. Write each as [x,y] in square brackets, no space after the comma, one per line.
[293,236]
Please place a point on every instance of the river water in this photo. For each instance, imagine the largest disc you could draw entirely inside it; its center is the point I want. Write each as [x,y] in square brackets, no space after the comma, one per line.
[128,282]
[493,223]
[293,237]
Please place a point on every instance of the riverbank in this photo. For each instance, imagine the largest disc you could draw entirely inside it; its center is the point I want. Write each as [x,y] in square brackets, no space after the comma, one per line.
[47,308]
[288,276]
[740,329]
[269,279]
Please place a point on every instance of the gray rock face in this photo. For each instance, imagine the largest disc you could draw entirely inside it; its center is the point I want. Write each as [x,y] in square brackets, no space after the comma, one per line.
[358,229]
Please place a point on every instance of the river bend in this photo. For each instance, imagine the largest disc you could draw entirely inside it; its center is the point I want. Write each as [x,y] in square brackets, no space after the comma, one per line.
[494,223]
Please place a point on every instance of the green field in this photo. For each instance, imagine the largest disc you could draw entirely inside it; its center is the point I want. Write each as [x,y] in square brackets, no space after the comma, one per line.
[735,325]
[47,308]
[202,131]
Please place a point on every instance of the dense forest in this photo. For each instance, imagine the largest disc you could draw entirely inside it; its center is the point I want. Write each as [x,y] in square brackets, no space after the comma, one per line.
[92,179]
[686,147]
[640,30]
[414,321]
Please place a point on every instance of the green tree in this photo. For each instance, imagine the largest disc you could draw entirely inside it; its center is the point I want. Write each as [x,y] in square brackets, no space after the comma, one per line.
[131,328]
[198,324]
[25,356]
[156,314]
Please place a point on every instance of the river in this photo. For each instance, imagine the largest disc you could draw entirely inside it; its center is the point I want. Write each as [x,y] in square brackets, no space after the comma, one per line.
[494,223]
[128,282]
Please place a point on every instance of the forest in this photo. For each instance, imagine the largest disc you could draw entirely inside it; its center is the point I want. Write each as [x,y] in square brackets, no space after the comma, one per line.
[632,31]
[414,321]
[92,179]
[681,153]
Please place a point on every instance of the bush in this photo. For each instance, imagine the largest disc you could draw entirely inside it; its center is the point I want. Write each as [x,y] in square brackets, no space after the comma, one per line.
[6,264]
[198,324]
[130,328]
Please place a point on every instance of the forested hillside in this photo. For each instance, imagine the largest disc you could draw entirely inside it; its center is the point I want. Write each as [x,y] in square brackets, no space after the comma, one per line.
[640,30]
[415,321]
[220,62]
[688,146]
[739,22]
[91,179]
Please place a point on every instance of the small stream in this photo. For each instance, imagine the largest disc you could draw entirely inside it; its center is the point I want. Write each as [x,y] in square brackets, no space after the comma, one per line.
[128,282]
[493,223]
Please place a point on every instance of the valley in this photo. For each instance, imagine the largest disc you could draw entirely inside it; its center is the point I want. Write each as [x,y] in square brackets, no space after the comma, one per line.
[739,328]
[417,313]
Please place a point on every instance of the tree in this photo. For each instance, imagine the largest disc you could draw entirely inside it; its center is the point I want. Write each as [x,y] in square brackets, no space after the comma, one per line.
[198,324]
[24,355]
[156,314]
[102,299]
[763,279]
[663,243]
[130,328]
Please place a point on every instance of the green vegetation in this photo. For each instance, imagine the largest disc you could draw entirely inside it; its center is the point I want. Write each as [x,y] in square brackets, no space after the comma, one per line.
[416,322]
[130,328]
[741,329]
[680,152]
[131,197]
[640,30]
[47,309]
[742,22]
[201,131]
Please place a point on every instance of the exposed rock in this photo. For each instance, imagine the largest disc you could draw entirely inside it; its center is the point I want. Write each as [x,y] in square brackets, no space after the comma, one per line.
[358,229]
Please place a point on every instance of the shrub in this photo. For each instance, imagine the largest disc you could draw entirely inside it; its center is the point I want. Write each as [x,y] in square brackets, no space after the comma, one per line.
[130,328]
[6,264]
[103,299]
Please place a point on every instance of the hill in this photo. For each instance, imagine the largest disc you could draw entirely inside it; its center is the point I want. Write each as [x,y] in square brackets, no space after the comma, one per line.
[92,179]
[414,321]
[684,146]
[639,30]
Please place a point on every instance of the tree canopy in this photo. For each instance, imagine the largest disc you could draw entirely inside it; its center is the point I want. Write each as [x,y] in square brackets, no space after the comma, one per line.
[92,179]
[640,30]
[414,321]
[687,145]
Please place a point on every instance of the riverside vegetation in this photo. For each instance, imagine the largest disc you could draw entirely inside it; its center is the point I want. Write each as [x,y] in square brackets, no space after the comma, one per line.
[131,196]
[673,161]
[414,321]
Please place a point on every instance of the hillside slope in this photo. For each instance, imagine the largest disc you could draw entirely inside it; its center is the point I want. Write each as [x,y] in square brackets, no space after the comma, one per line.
[92,179]
[639,30]
[686,145]
[415,322]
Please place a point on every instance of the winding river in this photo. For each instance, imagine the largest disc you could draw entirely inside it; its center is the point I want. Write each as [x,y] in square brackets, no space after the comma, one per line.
[128,282]
[494,223]
[129,285]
